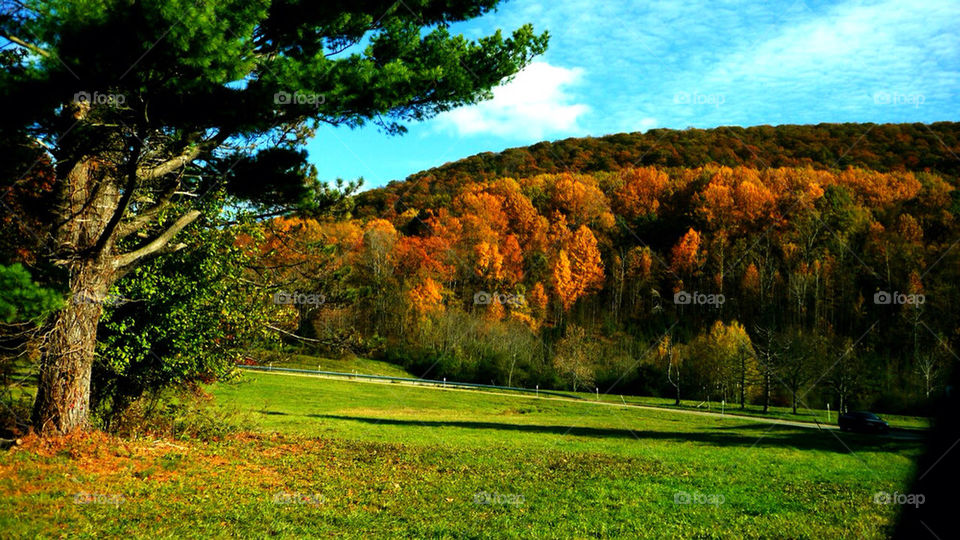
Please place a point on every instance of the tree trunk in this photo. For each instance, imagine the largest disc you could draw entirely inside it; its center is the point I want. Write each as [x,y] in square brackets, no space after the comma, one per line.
[86,201]
[743,382]
[766,390]
[63,393]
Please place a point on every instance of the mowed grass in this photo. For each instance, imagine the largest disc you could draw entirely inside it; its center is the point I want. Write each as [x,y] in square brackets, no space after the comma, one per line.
[366,366]
[783,413]
[373,460]
[362,366]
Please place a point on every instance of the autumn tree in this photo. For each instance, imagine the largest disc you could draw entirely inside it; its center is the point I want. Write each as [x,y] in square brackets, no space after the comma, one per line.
[686,256]
[735,356]
[670,355]
[641,191]
[426,297]
[578,270]
[163,101]
[574,358]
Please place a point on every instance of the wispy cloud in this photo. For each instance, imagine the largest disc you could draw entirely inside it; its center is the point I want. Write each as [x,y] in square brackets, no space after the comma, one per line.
[535,104]
[622,65]
[752,62]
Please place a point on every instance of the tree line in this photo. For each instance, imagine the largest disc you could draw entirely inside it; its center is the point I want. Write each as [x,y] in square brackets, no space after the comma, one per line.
[766,285]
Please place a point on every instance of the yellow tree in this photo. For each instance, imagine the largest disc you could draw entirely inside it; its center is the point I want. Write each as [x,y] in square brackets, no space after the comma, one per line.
[563,282]
[578,269]
[425,298]
[735,358]
[574,358]
[640,192]
[585,260]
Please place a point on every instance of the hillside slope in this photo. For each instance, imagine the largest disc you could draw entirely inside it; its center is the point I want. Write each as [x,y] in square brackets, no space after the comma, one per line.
[880,147]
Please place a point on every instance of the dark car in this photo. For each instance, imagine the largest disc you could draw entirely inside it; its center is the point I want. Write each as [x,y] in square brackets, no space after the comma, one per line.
[863,421]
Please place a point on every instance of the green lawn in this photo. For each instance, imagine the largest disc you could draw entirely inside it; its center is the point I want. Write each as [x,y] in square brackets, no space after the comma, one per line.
[366,366]
[783,413]
[365,459]
[362,366]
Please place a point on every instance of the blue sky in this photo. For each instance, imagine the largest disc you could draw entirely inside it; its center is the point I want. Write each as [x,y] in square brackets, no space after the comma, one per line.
[625,66]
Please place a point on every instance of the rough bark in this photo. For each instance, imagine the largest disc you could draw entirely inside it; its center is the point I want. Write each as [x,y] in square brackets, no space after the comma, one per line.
[86,202]
[63,393]
[89,208]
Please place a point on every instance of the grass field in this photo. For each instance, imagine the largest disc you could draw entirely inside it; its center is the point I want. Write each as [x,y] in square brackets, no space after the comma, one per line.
[783,413]
[362,366]
[363,459]
[366,366]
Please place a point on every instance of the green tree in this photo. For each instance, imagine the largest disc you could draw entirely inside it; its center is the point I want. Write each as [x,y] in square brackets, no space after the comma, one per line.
[143,104]
[22,300]
[177,321]
[802,365]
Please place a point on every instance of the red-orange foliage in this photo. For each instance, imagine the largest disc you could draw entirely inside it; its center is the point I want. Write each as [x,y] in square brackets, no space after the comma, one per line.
[426,297]
[642,187]
[423,256]
[512,259]
[686,255]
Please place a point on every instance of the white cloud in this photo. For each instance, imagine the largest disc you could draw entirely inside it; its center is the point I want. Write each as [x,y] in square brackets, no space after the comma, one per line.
[534,104]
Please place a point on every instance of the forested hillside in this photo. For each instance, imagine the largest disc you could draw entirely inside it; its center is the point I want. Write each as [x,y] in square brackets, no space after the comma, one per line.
[880,147]
[704,275]
[805,281]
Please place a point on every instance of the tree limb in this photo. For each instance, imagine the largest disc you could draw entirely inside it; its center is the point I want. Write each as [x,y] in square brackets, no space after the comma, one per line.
[146,216]
[291,334]
[158,243]
[30,46]
[167,167]
[124,202]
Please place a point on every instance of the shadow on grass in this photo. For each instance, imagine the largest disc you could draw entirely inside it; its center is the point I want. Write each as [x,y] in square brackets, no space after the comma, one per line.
[749,436]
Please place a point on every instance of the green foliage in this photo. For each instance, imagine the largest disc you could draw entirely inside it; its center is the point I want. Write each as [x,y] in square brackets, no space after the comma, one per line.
[22,299]
[462,347]
[178,320]
[222,64]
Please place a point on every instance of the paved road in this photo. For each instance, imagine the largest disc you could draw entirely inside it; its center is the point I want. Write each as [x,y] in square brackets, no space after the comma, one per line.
[895,434]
